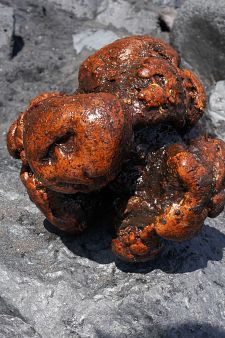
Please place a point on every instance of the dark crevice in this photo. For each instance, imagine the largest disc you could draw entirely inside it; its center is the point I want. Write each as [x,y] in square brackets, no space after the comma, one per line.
[10,310]
[17,45]
[61,142]
[44,12]
[163,25]
[65,138]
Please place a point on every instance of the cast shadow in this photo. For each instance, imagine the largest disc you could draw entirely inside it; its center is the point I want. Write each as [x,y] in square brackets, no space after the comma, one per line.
[95,244]
[184,330]
[194,330]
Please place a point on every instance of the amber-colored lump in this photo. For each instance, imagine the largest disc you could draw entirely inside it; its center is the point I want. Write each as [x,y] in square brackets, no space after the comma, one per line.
[82,151]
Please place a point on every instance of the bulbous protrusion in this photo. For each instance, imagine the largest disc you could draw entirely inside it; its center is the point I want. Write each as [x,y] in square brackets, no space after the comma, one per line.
[72,143]
[180,186]
[144,73]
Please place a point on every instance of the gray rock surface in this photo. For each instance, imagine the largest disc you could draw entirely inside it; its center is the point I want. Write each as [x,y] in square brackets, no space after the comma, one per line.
[93,39]
[57,286]
[171,3]
[131,16]
[167,16]
[6,31]
[15,327]
[217,99]
[81,8]
[199,35]
[216,109]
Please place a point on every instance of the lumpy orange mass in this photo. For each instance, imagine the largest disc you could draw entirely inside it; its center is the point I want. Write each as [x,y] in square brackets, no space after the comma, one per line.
[121,143]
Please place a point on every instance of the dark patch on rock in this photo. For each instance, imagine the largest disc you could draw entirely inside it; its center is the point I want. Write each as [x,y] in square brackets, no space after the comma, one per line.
[18,44]
[163,25]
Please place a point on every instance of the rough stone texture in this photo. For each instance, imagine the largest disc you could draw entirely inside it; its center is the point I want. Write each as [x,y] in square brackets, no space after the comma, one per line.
[15,327]
[81,8]
[216,109]
[171,3]
[6,31]
[73,287]
[122,14]
[93,39]
[55,286]
[199,35]
[167,16]
[217,98]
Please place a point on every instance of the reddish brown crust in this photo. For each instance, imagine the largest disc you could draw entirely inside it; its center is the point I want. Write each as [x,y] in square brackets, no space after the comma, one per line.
[163,93]
[68,213]
[15,132]
[12,147]
[195,97]
[144,73]
[73,143]
[69,144]
[137,245]
[101,121]
[43,96]
[196,174]
[15,137]
[114,59]
[180,221]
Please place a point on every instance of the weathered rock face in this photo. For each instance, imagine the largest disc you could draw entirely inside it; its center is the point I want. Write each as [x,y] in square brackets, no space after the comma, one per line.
[81,8]
[216,109]
[93,39]
[6,32]
[57,286]
[12,326]
[121,14]
[199,35]
[171,3]
[73,286]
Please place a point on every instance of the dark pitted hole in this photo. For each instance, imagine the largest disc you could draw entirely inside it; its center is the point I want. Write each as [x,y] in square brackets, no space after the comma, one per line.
[17,45]
[65,138]
[163,25]
[61,142]
[44,11]
[49,155]
[160,79]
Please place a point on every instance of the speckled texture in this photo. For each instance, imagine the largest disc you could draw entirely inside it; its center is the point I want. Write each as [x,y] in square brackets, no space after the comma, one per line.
[216,109]
[176,190]
[144,73]
[53,286]
[6,32]
[80,144]
[199,35]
